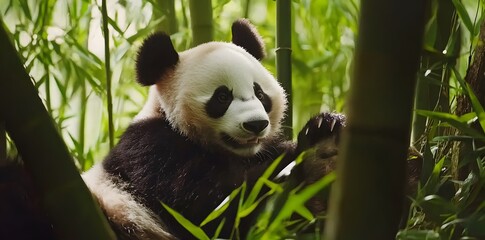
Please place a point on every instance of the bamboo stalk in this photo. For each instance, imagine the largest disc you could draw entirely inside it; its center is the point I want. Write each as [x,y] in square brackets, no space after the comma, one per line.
[107,64]
[367,198]
[246,6]
[82,125]
[45,154]
[283,58]
[201,21]
[167,10]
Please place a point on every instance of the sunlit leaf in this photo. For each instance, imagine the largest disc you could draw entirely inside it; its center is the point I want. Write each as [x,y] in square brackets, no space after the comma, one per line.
[189,226]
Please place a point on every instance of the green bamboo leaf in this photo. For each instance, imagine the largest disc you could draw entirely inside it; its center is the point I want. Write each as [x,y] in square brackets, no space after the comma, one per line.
[451,138]
[304,212]
[437,208]
[219,229]
[243,212]
[431,185]
[296,200]
[454,121]
[144,31]
[223,206]
[476,106]
[461,10]
[259,184]
[189,226]
[26,9]
[413,234]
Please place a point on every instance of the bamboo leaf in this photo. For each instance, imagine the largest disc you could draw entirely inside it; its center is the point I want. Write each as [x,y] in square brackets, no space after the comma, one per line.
[461,10]
[454,121]
[222,207]
[259,184]
[304,212]
[26,9]
[476,106]
[297,200]
[189,226]
[219,229]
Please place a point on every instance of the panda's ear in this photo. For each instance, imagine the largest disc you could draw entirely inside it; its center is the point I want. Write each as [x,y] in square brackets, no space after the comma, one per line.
[245,35]
[155,57]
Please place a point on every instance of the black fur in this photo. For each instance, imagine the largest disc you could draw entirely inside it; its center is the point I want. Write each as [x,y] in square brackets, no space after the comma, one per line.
[263,97]
[160,165]
[219,102]
[155,57]
[245,35]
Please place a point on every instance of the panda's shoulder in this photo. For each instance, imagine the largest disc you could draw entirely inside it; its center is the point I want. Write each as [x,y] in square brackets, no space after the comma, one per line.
[148,138]
[151,130]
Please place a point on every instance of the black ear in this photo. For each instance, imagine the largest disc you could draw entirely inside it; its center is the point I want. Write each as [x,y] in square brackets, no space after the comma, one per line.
[245,35]
[155,57]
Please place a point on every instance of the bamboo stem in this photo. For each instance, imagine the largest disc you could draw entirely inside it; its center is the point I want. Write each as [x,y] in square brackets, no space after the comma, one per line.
[283,58]
[45,154]
[201,21]
[246,7]
[368,195]
[107,67]
[82,125]
[167,9]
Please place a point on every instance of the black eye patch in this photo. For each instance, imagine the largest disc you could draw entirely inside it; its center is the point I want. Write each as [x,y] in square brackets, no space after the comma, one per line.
[217,106]
[263,97]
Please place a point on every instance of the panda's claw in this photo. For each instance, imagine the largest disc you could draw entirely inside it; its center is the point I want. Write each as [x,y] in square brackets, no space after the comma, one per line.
[320,120]
[320,127]
[332,125]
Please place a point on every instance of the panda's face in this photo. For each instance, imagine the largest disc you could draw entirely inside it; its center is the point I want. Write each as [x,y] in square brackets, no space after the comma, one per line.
[219,95]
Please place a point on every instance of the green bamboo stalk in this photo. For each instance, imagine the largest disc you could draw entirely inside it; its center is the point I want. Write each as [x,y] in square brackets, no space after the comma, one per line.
[367,198]
[201,21]
[283,58]
[45,154]
[167,10]
[82,125]
[246,7]
[47,86]
[107,66]
[185,21]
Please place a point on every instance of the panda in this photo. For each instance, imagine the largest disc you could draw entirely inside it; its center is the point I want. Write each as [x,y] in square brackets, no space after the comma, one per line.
[212,121]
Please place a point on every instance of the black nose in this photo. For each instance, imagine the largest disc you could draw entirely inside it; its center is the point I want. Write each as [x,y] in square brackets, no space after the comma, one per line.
[256,126]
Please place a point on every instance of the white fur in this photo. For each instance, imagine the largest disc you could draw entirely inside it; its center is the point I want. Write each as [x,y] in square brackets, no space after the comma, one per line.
[122,208]
[151,108]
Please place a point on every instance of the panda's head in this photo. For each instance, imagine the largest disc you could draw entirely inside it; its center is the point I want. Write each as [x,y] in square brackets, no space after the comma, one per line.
[217,93]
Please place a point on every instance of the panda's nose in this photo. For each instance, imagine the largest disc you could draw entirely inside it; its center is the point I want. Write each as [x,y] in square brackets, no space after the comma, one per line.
[256,126]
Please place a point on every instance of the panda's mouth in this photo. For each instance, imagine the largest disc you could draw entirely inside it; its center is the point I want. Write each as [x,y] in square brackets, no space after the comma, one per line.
[240,143]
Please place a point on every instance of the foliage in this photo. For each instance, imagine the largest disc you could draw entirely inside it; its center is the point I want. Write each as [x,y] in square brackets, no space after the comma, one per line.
[61,43]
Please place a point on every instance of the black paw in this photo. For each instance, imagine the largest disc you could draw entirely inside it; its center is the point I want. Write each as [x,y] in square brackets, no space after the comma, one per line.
[319,128]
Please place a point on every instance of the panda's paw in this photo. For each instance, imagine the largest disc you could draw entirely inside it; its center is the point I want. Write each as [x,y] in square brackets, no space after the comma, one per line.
[319,128]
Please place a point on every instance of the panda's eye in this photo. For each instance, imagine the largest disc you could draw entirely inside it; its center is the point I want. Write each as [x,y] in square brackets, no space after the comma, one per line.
[260,95]
[223,97]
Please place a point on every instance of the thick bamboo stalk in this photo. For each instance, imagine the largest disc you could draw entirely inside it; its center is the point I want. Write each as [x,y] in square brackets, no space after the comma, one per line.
[45,154]
[201,21]
[283,58]
[367,198]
